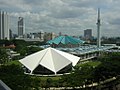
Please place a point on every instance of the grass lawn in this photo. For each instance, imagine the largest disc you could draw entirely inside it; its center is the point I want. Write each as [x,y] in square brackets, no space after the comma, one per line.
[91,63]
[44,78]
[16,62]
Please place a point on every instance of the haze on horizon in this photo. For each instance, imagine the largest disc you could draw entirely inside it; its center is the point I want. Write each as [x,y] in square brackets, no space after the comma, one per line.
[70,17]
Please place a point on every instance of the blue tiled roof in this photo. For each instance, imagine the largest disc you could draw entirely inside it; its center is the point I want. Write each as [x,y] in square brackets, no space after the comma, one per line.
[65,40]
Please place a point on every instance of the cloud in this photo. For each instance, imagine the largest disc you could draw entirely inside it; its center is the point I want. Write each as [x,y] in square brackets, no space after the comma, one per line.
[68,16]
[15,5]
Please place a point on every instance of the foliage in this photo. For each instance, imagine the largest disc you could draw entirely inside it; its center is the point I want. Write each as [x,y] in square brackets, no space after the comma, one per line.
[79,76]
[91,72]
[109,67]
[19,44]
[32,50]
[37,43]
[5,42]
[28,50]
[14,77]
[106,67]
[22,46]
[110,40]
[91,63]
[3,56]
[15,62]
[23,49]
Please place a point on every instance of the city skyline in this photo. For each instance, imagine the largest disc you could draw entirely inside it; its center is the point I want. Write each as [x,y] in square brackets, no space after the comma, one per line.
[70,17]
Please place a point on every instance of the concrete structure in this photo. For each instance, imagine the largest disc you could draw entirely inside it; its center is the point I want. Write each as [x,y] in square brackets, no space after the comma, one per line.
[98,30]
[88,34]
[4,25]
[41,35]
[49,61]
[49,36]
[3,86]
[88,52]
[21,27]
[38,35]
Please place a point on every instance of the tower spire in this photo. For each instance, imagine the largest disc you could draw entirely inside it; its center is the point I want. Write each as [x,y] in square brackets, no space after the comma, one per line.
[98,30]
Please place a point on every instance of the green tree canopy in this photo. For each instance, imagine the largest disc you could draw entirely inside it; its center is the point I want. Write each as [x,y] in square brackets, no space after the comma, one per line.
[3,56]
[13,75]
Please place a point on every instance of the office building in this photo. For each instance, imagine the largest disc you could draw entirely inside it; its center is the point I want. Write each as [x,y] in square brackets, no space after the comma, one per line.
[10,34]
[88,34]
[21,27]
[49,36]
[4,25]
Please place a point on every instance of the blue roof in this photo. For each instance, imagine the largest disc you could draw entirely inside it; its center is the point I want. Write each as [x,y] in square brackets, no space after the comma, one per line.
[65,40]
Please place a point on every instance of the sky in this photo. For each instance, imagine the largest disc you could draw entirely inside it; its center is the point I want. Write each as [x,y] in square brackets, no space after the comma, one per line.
[69,17]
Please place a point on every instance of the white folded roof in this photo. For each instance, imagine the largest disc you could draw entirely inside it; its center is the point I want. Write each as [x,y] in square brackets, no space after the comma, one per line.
[49,58]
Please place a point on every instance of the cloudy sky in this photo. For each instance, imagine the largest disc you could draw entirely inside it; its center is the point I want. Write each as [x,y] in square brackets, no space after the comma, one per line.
[70,17]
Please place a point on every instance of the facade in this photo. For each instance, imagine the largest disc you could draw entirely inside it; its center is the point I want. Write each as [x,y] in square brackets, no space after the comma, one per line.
[21,30]
[10,34]
[49,36]
[88,34]
[41,35]
[4,25]
[37,36]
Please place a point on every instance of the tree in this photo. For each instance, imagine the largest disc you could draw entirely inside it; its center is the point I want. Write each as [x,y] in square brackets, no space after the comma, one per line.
[19,44]
[13,75]
[48,83]
[33,50]
[108,68]
[5,42]
[79,76]
[3,56]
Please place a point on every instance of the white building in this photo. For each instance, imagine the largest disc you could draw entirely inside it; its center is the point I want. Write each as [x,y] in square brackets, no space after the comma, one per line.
[4,25]
[49,61]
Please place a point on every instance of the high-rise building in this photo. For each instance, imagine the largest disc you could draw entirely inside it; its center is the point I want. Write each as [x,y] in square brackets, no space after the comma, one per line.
[88,34]
[4,25]
[10,34]
[21,30]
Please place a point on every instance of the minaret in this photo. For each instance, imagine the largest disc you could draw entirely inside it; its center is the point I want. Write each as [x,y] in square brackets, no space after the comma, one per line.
[98,30]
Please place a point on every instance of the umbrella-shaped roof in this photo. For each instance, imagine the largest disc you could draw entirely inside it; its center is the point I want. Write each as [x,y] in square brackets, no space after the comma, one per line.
[65,40]
[50,58]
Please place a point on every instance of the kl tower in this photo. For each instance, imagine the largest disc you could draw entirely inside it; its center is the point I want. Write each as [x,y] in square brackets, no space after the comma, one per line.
[98,30]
